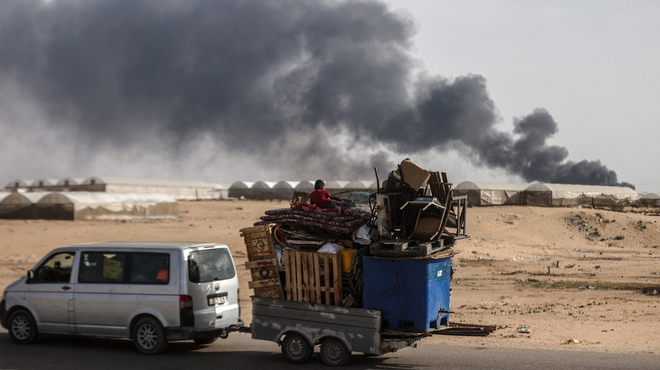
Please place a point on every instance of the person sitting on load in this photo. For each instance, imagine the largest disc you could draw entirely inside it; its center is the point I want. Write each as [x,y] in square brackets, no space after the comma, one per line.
[321,198]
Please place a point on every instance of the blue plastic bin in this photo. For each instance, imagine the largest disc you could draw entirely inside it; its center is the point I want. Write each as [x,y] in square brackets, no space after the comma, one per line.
[415,290]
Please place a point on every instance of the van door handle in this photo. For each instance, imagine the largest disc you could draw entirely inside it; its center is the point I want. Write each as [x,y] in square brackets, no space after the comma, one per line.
[66,287]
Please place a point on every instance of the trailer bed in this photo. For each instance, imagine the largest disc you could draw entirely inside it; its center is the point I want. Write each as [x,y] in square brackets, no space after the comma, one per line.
[360,329]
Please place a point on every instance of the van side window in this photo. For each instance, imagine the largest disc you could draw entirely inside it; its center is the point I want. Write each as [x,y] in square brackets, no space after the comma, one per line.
[102,267]
[57,269]
[150,268]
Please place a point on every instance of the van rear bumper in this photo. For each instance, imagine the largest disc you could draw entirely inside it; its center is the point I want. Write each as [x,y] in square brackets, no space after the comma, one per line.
[187,333]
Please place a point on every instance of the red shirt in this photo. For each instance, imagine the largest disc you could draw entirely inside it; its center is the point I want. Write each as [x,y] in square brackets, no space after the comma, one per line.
[320,197]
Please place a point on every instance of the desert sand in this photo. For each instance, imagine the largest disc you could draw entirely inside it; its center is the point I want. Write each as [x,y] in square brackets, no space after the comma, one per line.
[577,278]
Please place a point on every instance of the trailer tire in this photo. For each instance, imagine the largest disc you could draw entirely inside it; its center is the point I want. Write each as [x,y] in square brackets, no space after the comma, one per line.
[296,349]
[334,352]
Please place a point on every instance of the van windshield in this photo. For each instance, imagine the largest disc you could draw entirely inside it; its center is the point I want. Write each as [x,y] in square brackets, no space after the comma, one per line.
[210,264]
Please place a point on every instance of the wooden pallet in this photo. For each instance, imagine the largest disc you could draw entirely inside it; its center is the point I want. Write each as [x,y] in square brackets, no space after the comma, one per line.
[262,262]
[313,277]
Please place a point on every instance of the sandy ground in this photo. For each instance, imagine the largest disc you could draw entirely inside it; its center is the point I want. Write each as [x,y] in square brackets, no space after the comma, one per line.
[598,290]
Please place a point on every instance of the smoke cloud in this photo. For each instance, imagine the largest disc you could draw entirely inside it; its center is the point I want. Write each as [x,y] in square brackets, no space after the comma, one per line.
[288,88]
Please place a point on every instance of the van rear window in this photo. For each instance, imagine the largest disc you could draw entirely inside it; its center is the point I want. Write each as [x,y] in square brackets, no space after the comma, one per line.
[210,264]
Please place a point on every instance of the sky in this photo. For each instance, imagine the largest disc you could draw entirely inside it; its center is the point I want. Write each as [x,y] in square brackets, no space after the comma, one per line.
[592,64]
[499,91]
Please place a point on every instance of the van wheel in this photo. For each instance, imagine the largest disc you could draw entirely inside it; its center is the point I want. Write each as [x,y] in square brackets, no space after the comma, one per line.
[22,328]
[296,349]
[149,337]
[334,352]
[205,340]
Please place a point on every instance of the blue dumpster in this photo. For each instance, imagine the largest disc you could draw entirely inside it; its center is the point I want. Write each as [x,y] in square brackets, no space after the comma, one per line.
[415,291]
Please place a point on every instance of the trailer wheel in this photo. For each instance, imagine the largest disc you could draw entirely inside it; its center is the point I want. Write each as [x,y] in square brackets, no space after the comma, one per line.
[334,352]
[296,349]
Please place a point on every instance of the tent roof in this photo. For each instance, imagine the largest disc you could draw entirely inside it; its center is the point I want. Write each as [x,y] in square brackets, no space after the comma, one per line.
[4,194]
[472,185]
[335,184]
[649,195]
[241,185]
[23,198]
[582,189]
[304,185]
[285,184]
[358,184]
[147,182]
[219,186]
[72,181]
[84,197]
[263,185]
[21,183]
[46,182]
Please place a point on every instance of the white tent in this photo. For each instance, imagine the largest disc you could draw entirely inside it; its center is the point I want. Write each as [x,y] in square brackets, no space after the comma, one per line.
[491,194]
[284,189]
[240,189]
[108,206]
[19,184]
[220,191]
[19,205]
[334,187]
[649,199]
[565,195]
[182,190]
[43,183]
[262,190]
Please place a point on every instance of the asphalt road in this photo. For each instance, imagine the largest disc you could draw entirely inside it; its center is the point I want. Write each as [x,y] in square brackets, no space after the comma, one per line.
[239,351]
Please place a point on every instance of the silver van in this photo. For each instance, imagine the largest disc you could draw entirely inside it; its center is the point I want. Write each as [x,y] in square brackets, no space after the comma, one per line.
[151,292]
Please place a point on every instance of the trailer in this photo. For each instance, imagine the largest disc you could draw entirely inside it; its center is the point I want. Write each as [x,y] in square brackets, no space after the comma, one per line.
[298,327]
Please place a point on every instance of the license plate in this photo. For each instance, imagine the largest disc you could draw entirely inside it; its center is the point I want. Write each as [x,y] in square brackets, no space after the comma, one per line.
[217,300]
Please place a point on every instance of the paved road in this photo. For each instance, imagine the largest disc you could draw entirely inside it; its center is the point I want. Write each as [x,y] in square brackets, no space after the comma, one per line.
[241,352]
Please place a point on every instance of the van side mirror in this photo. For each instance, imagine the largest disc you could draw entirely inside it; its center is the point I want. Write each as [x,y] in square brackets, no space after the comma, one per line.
[30,277]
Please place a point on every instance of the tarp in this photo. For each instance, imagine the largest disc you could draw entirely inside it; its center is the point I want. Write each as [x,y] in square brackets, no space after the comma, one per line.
[491,194]
[96,205]
[565,195]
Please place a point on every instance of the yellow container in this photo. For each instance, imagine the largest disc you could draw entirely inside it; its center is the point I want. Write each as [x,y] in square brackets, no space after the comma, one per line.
[347,259]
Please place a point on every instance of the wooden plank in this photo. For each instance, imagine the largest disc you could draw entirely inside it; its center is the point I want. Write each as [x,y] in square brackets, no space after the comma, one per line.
[263,283]
[287,267]
[305,277]
[260,263]
[298,277]
[326,270]
[317,278]
[336,265]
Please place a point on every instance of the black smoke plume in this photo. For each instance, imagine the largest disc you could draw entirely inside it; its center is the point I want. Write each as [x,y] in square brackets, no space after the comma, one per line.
[304,82]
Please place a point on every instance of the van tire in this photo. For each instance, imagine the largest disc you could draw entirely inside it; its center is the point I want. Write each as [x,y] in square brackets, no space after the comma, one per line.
[149,336]
[21,327]
[205,340]
[296,349]
[334,352]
